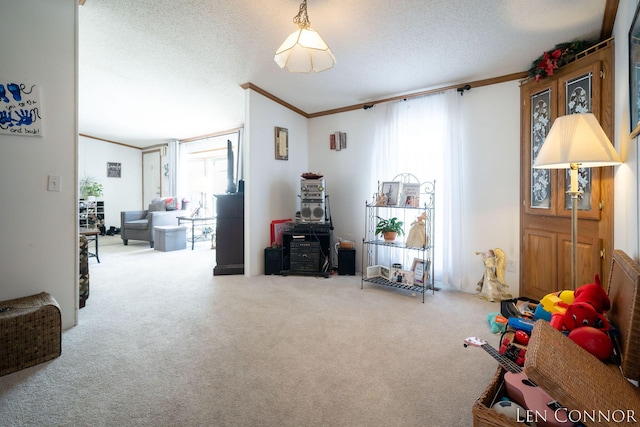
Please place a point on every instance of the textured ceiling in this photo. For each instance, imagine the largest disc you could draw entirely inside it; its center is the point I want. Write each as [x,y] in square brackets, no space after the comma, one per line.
[153,70]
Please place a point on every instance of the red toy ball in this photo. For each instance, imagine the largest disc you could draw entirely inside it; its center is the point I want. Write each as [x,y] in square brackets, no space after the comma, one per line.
[593,340]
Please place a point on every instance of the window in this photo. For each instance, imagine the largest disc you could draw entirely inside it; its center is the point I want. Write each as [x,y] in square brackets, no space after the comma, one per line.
[203,170]
[421,136]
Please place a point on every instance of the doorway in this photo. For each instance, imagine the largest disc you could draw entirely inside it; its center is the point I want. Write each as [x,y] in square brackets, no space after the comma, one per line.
[151,177]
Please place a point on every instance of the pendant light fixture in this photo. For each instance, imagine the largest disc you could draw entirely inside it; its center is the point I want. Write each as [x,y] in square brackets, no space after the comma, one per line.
[304,50]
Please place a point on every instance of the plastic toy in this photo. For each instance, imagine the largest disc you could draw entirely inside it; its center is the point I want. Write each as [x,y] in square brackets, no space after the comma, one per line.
[514,348]
[556,302]
[497,322]
[595,341]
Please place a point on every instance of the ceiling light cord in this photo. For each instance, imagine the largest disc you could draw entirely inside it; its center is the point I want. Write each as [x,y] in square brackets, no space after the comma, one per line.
[302,18]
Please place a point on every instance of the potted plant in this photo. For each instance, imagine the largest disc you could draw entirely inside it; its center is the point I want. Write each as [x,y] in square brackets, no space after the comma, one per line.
[389,228]
[90,188]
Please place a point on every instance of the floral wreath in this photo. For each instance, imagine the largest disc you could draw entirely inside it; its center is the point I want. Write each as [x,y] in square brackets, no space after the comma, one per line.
[562,54]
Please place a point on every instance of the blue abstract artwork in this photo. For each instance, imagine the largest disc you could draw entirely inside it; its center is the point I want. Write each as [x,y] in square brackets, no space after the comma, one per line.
[20,109]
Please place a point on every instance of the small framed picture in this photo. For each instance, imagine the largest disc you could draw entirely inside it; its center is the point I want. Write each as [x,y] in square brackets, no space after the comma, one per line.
[404,277]
[391,191]
[281,143]
[373,271]
[420,270]
[410,195]
[384,272]
[114,170]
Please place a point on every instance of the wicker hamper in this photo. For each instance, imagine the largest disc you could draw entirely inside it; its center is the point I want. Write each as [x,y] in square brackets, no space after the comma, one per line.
[30,332]
[483,415]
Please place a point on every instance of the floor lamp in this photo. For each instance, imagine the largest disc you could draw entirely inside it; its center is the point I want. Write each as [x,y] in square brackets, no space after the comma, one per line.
[574,141]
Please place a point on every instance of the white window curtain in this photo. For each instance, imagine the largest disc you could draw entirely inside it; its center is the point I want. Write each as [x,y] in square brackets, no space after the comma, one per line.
[421,136]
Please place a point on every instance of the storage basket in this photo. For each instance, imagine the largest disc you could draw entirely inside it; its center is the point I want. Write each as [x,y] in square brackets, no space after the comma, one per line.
[30,332]
[483,414]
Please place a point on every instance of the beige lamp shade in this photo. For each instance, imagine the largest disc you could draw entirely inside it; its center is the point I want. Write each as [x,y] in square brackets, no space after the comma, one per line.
[303,51]
[576,139]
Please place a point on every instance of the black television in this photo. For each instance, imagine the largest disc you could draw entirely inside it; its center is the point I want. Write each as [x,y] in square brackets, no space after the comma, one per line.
[231,184]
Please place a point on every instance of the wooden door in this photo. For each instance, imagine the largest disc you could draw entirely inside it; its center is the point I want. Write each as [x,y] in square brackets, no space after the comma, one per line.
[545,216]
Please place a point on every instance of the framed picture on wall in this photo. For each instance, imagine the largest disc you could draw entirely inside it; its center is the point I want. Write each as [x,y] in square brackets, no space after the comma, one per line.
[282,143]
[114,170]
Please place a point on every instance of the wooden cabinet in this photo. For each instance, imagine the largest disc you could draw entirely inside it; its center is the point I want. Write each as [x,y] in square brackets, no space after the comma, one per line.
[585,85]
[229,234]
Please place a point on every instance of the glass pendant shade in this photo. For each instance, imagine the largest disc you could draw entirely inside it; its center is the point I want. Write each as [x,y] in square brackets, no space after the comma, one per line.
[304,51]
[577,139]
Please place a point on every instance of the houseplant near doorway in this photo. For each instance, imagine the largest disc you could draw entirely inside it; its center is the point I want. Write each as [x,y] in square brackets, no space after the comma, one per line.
[90,188]
[389,228]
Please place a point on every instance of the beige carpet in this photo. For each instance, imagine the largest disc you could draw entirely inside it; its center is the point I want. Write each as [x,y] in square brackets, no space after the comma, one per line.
[162,342]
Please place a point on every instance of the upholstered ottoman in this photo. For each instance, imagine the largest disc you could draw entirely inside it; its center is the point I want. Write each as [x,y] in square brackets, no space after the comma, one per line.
[169,238]
[30,332]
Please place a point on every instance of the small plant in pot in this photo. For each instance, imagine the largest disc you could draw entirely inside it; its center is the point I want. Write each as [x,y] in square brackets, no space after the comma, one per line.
[90,188]
[389,228]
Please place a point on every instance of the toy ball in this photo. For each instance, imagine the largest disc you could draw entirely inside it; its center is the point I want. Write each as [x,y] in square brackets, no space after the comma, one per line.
[593,340]
[521,337]
[511,410]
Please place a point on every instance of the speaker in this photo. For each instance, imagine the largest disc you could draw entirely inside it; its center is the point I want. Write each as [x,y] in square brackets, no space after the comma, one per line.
[273,261]
[347,262]
[312,211]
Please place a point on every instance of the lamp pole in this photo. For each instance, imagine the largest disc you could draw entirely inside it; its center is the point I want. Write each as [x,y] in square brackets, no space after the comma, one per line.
[575,193]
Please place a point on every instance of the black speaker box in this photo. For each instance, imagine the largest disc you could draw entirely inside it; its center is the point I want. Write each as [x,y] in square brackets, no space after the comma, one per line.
[347,262]
[273,261]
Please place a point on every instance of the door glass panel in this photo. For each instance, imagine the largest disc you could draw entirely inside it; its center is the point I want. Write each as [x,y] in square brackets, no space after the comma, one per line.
[540,125]
[578,98]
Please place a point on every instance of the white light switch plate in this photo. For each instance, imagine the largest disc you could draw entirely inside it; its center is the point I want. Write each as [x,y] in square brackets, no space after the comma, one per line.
[54,183]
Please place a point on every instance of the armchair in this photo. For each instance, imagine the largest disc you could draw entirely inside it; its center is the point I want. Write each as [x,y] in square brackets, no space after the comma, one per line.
[138,225]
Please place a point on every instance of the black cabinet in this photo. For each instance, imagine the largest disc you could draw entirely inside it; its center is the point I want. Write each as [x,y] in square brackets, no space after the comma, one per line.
[229,234]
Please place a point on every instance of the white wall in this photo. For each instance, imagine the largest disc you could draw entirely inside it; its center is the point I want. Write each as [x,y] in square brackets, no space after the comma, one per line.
[491,151]
[491,156]
[120,194]
[39,244]
[626,175]
[271,186]
[347,172]
[491,168]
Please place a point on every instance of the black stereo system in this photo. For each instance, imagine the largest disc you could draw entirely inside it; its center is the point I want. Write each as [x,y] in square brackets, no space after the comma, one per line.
[305,256]
[307,249]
